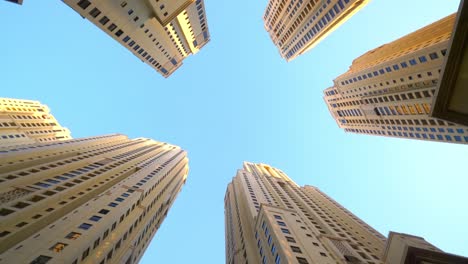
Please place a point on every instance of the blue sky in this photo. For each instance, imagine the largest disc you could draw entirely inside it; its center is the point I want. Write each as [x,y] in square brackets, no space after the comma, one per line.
[238,100]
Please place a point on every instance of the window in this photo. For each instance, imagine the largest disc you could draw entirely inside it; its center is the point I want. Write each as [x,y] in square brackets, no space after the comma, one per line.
[113,204]
[112,27]
[83,4]
[290,239]
[95,12]
[41,259]
[95,218]
[104,20]
[422,59]
[85,226]
[96,243]
[285,230]
[277,259]
[296,249]
[281,223]
[119,33]
[104,211]
[58,247]
[433,56]
[323,254]
[73,235]
[85,254]
[302,260]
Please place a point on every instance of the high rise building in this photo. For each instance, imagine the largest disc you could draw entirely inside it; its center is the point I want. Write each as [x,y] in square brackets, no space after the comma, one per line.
[270,219]
[89,200]
[27,122]
[297,26]
[389,90]
[160,33]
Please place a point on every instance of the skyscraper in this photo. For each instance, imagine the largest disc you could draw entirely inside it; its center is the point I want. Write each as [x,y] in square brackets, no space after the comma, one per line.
[160,33]
[270,219]
[88,200]
[26,122]
[297,26]
[389,90]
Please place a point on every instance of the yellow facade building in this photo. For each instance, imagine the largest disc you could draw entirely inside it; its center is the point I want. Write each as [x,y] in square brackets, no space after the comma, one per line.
[89,200]
[389,90]
[160,33]
[297,26]
[27,122]
[270,219]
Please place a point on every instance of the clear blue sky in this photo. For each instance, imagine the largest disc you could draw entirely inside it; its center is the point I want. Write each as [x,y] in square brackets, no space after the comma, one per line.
[238,100]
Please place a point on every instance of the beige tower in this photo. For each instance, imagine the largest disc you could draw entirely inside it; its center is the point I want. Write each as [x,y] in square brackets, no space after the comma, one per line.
[160,33]
[297,26]
[389,90]
[270,219]
[88,200]
[27,122]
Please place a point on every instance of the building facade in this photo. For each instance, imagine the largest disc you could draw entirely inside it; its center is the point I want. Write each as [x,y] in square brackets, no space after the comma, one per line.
[270,219]
[89,200]
[160,33]
[27,122]
[389,90]
[297,26]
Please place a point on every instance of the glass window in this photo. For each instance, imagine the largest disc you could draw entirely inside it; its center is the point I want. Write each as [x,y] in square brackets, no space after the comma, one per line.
[95,12]
[104,211]
[281,223]
[85,226]
[95,218]
[83,4]
[73,235]
[58,247]
[41,259]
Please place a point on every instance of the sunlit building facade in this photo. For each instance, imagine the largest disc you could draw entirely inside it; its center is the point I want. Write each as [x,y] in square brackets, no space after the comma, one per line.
[27,122]
[297,26]
[160,33]
[389,90]
[89,200]
[270,219]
